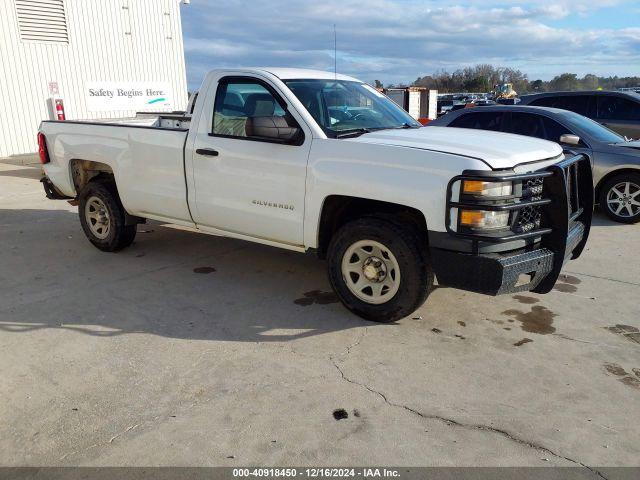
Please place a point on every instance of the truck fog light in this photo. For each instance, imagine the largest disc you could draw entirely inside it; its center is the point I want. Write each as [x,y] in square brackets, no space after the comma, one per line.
[487,189]
[485,219]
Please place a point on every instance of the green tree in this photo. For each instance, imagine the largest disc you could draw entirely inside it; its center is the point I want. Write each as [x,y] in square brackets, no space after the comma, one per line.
[566,81]
[589,82]
[476,84]
[427,82]
[537,86]
[483,77]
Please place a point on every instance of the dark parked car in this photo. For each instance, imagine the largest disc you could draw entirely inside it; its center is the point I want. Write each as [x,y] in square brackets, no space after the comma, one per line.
[446,105]
[616,161]
[619,111]
[484,103]
[508,101]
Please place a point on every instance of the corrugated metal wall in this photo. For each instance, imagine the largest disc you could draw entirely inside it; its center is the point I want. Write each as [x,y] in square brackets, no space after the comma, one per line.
[108,40]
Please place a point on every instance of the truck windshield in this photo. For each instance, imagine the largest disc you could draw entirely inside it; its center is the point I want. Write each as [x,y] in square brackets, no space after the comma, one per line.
[342,107]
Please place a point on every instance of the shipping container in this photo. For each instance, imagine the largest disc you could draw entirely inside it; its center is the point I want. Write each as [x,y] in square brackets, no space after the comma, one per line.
[421,103]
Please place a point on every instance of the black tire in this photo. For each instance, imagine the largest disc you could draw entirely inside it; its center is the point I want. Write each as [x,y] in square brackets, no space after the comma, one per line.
[408,247]
[119,235]
[624,216]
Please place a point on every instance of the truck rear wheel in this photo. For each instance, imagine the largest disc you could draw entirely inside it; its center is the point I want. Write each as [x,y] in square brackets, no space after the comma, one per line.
[103,217]
[379,268]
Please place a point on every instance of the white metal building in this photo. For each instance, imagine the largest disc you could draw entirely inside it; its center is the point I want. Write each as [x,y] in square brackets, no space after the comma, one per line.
[103,58]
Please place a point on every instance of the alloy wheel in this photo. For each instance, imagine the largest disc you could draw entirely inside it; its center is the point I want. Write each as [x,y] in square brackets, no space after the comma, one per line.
[623,199]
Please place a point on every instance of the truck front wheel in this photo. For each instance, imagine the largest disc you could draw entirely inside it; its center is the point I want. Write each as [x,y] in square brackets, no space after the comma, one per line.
[379,268]
[103,217]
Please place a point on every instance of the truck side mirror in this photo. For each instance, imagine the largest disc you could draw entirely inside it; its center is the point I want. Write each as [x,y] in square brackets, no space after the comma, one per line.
[568,139]
[272,128]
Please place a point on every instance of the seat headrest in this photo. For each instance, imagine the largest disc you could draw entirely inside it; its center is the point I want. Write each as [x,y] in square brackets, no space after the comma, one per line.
[259,105]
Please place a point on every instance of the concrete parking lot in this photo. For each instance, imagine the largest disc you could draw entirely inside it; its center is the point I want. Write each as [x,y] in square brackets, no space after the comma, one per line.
[188,349]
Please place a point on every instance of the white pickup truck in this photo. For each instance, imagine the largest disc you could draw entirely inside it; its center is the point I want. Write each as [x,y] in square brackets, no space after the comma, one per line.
[309,160]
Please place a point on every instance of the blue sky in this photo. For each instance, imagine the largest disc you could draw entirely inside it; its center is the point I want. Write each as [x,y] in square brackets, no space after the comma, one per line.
[396,41]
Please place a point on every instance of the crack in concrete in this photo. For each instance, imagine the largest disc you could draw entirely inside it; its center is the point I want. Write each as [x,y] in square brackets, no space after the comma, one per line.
[101,444]
[128,429]
[605,278]
[356,343]
[567,337]
[471,426]
[349,347]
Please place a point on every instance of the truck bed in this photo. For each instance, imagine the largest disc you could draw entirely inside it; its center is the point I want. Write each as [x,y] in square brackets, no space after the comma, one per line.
[170,121]
[146,158]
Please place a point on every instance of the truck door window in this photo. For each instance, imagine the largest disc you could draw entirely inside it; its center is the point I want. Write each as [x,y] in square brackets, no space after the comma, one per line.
[236,101]
[480,121]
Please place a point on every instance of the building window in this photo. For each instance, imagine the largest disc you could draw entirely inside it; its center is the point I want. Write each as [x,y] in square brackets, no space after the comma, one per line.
[42,20]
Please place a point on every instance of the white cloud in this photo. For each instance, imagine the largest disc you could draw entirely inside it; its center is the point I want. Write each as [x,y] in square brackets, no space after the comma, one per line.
[397,40]
[218,48]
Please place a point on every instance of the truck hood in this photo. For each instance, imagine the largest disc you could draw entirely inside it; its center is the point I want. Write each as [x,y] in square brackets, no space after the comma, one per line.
[498,150]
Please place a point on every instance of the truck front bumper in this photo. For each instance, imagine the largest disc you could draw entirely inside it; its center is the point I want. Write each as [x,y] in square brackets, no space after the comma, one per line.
[566,206]
[500,273]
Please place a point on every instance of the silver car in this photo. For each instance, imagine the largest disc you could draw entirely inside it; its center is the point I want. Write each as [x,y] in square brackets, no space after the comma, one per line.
[616,160]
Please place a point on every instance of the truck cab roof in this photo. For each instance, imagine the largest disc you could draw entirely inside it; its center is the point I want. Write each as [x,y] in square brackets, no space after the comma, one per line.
[294,73]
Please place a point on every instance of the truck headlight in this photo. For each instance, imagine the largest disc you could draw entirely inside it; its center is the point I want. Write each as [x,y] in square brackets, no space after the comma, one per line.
[487,189]
[484,219]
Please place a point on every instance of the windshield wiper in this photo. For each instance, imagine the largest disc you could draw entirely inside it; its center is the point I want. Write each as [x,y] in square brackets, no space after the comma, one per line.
[352,132]
[401,127]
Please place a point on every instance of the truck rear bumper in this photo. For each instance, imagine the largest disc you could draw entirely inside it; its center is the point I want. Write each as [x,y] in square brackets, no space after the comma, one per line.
[510,272]
[51,191]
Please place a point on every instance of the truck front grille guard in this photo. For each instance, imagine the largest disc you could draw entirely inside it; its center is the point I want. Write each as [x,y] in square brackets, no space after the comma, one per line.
[552,200]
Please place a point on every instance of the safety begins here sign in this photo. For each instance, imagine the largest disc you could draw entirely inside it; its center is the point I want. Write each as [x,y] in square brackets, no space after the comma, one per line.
[138,96]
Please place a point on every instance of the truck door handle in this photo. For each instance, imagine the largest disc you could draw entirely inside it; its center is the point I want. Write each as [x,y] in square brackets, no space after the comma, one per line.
[207,151]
